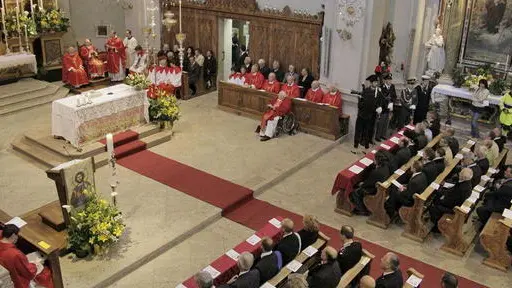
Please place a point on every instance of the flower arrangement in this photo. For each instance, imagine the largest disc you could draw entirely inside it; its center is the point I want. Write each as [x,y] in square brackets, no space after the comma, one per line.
[11,23]
[95,227]
[483,72]
[163,106]
[51,20]
[139,81]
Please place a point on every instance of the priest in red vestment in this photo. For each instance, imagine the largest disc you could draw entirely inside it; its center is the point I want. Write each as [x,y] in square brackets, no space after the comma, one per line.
[21,271]
[278,107]
[116,58]
[272,85]
[333,98]
[291,88]
[254,79]
[73,72]
[89,54]
[315,93]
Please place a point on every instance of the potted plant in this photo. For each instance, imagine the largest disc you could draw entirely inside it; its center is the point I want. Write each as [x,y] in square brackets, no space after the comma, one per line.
[163,106]
[138,81]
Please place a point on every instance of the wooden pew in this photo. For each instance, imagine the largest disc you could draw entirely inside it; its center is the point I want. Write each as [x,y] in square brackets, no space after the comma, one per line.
[306,261]
[351,274]
[416,227]
[411,272]
[457,228]
[494,240]
[34,232]
[375,203]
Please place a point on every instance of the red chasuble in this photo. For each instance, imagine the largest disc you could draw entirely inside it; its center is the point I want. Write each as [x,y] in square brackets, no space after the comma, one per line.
[73,71]
[333,100]
[115,53]
[255,79]
[273,87]
[315,96]
[22,271]
[95,66]
[292,91]
[280,108]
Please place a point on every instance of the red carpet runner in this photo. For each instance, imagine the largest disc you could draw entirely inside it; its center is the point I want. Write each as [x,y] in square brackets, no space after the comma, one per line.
[239,206]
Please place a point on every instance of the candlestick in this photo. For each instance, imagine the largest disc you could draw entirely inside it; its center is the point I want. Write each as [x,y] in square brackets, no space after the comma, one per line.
[180,16]
[4,28]
[110,144]
[26,39]
[32,9]
[18,25]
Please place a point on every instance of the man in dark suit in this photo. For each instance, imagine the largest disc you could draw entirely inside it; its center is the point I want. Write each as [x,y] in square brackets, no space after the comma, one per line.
[263,68]
[277,70]
[402,156]
[468,161]
[366,113]
[290,244]
[391,276]
[497,199]
[268,263]
[429,167]
[482,160]
[368,186]
[451,197]
[439,160]
[434,124]
[351,252]
[193,75]
[247,278]
[423,99]
[403,196]
[327,274]
[241,59]
[500,140]
[203,280]
[452,142]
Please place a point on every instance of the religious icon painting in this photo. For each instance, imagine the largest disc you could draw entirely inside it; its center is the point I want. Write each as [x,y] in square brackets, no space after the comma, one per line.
[79,179]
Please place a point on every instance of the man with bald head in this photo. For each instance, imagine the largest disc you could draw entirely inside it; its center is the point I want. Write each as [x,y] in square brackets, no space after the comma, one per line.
[290,87]
[290,244]
[367,282]
[268,264]
[272,85]
[315,94]
[247,278]
[333,97]
[73,72]
[391,275]
[263,68]
[351,251]
[327,274]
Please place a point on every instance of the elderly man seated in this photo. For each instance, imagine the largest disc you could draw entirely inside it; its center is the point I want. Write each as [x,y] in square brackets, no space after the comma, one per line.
[290,87]
[204,280]
[269,263]
[327,274]
[315,93]
[89,54]
[391,274]
[333,97]
[254,79]
[73,72]
[278,107]
[290,244]
[272,85]
[247,278]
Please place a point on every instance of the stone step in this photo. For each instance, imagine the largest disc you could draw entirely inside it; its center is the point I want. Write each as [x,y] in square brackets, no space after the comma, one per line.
[22,86]
[61,93]
[29,96]
[44,156]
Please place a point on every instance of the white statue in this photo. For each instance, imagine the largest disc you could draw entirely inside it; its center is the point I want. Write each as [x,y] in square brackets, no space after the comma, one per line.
[435,56]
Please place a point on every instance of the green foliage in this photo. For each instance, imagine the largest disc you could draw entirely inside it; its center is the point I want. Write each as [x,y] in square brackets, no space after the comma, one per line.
[498,87]
[459,77]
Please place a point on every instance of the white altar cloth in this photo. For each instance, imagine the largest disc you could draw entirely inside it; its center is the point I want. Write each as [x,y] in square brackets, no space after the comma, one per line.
[117,108]
[440,92]
[16,60]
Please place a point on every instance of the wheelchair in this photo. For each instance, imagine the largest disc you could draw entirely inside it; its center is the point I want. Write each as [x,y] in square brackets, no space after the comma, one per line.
[288,124]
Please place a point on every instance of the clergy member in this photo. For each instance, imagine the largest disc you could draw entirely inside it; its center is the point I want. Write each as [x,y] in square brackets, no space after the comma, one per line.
[73,72]
[291,88]
[141,61]
[130,43]
[89,54]
[255,79]
[272,85]
[333,97]
[116,58]
[315,94]
[23,273]
[278,107]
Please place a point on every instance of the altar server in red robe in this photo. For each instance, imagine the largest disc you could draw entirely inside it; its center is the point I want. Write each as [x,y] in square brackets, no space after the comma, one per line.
[291,88]
[272,85]
[116,58]
[315,94]
[254,79]
[89,54]
[278,107]
[21,271]
[333,97]
[73,72]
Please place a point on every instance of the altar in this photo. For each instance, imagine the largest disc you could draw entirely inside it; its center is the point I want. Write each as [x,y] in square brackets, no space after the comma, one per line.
[113,109]
[17,65]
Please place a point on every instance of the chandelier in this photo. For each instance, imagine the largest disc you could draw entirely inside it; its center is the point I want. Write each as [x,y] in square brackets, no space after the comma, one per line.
[169,20]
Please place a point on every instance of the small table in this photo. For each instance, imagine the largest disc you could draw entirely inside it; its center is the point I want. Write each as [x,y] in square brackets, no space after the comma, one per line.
[116,108]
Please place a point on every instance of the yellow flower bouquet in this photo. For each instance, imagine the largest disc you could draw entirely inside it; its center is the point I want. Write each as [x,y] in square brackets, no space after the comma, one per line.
[95,227]
[164,107]
[138,81]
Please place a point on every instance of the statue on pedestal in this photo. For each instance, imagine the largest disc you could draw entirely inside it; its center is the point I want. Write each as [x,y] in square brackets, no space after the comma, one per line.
[386,43]
[436,55]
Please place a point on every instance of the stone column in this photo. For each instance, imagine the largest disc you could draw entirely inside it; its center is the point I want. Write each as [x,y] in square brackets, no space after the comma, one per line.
[453,24]
[416,48]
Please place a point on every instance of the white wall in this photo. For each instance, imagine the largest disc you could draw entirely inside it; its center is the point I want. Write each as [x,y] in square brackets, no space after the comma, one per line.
[311,6]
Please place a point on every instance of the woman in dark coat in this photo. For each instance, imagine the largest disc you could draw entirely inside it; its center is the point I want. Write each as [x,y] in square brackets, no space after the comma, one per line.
[305,81]
[210,69]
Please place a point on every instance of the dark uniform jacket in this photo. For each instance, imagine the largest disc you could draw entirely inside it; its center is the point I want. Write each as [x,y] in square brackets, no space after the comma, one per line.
[367,103]
[267,266]
[393,280]
[389,96]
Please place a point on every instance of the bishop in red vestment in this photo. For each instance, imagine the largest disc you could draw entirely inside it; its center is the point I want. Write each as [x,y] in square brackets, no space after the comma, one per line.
[254,79]
[116,58]
[272,85]
[333,98]
[73,72]
[278,107]
[20,270]
[291,88]
[315,93]
[89,54]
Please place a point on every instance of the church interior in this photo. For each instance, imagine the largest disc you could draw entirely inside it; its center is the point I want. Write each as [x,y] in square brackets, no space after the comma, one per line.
[255,143]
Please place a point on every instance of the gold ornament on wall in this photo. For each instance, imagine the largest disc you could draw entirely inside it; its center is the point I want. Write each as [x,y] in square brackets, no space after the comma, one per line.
[349,13]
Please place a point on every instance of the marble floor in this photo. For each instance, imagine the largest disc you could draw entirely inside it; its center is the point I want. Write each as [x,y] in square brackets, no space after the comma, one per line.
[172,235]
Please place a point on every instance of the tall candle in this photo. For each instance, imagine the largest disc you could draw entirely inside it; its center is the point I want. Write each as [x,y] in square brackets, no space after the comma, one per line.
[26,38]
[110,143]
[56,4]
[3,16]
[180,16]
[32,8]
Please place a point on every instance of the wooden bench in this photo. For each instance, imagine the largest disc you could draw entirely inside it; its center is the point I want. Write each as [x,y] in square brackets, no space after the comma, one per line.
[351,274]
[457,228]
[306,261]
[375,203]
[494,240]
[411,272]
[416,227]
